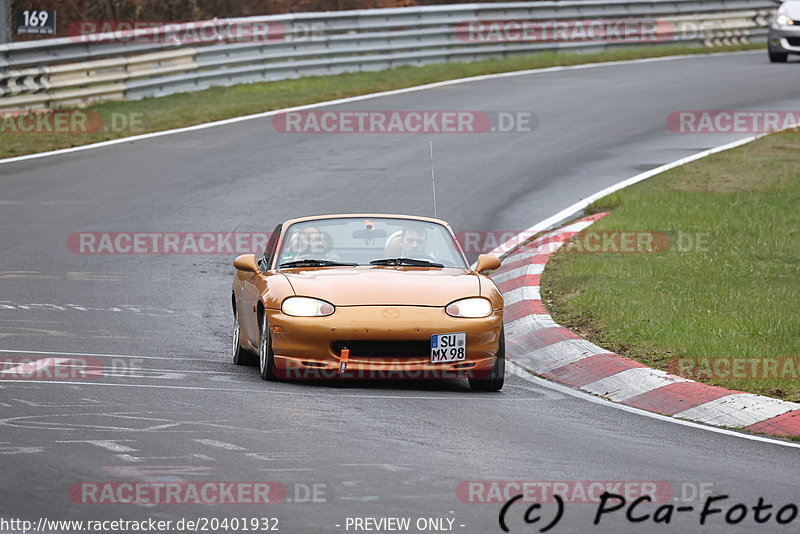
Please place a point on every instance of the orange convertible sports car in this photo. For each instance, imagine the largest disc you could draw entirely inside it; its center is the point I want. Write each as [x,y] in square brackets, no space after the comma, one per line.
[368,296]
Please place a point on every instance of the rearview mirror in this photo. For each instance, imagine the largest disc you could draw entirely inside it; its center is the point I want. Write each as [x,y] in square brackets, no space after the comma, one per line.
[366,233]
[487,262]
[246,262]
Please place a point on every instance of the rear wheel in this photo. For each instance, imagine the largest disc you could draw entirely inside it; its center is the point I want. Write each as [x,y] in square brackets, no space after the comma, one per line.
[494,379]
[266,357]
[240,356]
[777,57]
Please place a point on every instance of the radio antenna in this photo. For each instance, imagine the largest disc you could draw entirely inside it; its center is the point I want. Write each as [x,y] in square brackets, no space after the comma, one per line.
[433,179]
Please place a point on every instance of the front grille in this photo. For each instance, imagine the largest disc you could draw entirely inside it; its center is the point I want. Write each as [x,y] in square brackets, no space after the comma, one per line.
[385,349]
[793,41]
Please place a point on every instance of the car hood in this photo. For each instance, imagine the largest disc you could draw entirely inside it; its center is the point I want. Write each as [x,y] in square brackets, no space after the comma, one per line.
[792,9]
[375,286]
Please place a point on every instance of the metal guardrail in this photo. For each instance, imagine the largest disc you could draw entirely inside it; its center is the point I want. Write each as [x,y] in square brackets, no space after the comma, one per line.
[177,58]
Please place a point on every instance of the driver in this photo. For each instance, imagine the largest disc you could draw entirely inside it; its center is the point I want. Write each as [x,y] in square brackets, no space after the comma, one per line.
[414,243]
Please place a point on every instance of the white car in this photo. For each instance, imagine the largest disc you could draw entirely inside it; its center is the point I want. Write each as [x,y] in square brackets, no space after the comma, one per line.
[784,32]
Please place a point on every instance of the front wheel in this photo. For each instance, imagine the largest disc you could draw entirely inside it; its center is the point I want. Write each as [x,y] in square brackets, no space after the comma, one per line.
[266,357]
[240,356]
[494,379]
[777,57]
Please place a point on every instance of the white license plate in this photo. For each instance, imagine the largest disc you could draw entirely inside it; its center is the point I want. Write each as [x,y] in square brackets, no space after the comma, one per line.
[448,347]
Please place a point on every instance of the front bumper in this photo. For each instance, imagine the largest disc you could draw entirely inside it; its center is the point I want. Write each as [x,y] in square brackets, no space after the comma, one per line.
[307,347]
[784,39]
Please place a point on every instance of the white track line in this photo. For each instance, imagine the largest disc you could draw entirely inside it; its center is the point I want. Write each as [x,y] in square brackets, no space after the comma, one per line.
[455,396]
[108,372]
[220,444]
[108,444]
[85,354]
[359,98]
[526,375]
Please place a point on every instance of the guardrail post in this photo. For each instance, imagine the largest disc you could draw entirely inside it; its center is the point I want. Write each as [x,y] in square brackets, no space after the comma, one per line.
[5,21]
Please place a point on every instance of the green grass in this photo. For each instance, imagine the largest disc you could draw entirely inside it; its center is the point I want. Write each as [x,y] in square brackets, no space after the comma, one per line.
[187,109]
[736,296]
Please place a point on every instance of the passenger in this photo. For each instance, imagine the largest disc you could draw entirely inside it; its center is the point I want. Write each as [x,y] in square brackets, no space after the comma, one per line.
[312,243]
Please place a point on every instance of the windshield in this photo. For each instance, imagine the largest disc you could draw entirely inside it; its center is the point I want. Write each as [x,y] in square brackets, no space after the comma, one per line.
[360,241]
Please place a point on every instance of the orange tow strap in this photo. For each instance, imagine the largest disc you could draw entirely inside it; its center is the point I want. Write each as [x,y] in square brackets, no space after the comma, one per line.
[343,360]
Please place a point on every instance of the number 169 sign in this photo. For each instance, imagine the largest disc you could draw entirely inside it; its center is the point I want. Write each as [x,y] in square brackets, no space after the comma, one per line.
[36,21]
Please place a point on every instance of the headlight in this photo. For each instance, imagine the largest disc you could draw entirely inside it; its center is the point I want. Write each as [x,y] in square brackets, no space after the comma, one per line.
[783,19]
[306,307]
[471,307]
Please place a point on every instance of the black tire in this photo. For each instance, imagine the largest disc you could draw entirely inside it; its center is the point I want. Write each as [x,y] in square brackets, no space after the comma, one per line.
[241,356]
[266,358]
[493,381]
[777,57]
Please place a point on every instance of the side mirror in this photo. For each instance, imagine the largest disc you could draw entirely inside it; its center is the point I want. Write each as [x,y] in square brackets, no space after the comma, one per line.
[246,262]
[487,262]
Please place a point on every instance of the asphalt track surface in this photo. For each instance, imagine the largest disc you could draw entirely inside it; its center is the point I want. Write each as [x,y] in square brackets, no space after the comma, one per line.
[379,449]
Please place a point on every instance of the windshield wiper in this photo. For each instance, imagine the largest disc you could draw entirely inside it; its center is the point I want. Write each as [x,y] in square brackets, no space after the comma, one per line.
[316,263]
[406,261]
